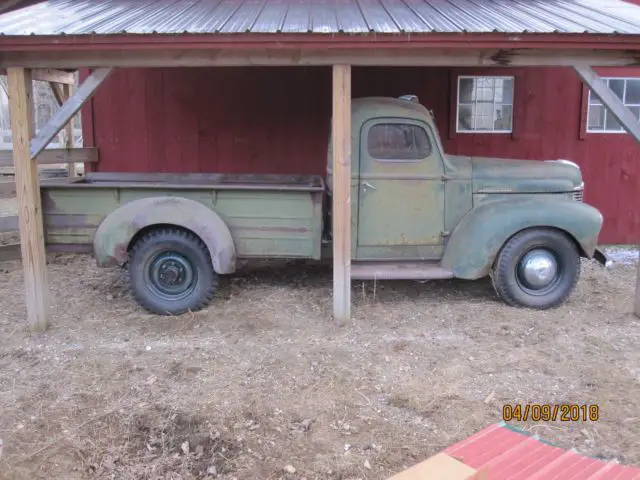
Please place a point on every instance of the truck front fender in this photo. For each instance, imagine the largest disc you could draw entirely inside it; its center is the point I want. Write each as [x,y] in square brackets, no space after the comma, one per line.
[113,236]
[477,239]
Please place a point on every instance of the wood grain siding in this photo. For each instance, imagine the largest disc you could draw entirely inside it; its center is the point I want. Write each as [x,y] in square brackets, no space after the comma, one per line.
[276,120]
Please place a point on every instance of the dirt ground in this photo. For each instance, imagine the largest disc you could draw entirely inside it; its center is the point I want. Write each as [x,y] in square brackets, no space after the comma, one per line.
[265,380]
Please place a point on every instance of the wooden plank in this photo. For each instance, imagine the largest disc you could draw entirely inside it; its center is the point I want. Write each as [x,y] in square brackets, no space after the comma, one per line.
[68,110]
[383,56]
[8,189]
[9,224]
[55,156]
[57,93]
[50,75]
[341,195]
[66,95]
[10,252]
[626,118]
[29,203]
[53,75]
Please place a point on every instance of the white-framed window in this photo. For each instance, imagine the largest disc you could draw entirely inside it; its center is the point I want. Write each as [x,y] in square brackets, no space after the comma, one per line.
[600,119]
[485,104]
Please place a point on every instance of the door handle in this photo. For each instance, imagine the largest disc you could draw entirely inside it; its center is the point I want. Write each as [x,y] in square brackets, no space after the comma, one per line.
[366,185]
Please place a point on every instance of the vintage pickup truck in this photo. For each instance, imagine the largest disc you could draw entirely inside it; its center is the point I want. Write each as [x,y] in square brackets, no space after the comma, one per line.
[417,213]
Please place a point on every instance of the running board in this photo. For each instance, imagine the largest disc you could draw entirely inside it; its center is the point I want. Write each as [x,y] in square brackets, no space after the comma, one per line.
[399,271]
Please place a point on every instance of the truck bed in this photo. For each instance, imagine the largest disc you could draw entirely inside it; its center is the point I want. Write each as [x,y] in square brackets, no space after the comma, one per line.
[274,216]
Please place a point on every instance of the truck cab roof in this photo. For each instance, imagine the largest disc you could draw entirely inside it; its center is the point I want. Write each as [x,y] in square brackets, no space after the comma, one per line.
[366,108]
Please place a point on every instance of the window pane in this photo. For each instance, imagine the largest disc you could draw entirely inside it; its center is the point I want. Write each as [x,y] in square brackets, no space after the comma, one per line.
[484,116]
[504,90]
[611,123]
[504,117]
[633,91]
[594,99]
[635,111]
[465,120]
[398,142]
[484,92]
[617,86]
[466,87]
[596,117]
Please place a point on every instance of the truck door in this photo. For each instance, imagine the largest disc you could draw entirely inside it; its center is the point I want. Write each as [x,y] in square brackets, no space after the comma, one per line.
[401,191]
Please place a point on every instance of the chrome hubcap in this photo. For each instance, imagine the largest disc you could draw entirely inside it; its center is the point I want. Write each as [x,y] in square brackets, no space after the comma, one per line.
[537,269]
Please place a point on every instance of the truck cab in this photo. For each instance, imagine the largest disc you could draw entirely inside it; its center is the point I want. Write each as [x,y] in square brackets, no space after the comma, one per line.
[420,213]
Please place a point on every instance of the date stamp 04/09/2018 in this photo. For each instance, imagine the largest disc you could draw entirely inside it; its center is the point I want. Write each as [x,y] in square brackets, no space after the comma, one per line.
[549,412]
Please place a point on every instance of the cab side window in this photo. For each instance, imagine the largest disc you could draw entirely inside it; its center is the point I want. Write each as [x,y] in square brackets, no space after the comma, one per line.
[395,141]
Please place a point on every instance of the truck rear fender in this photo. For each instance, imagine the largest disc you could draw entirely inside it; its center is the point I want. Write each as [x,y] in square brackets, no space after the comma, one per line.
[113,237]
[478,238]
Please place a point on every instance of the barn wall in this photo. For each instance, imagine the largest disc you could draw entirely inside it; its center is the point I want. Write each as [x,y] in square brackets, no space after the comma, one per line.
[276,120]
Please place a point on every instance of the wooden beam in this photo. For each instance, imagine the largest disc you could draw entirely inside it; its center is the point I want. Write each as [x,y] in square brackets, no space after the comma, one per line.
[71,166]
[341,195]
[54,76]
[68,110]
[57,93]
[56,156]
[626,118]
[50,75]
[384,56]
[29,203]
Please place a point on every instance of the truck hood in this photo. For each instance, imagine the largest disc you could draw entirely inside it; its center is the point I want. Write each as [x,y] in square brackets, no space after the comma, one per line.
[499,175]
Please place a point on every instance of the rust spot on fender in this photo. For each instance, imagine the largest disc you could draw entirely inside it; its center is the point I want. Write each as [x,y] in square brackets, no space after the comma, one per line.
[120,253]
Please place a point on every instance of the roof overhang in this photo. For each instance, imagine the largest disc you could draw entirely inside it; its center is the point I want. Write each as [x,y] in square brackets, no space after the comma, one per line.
[435,49]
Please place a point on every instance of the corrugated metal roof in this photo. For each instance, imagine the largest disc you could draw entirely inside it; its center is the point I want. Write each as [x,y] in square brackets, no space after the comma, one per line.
[81,17]
[507,454]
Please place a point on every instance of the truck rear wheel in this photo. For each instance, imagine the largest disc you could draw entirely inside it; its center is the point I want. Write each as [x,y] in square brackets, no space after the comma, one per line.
[170,272]
[536,268]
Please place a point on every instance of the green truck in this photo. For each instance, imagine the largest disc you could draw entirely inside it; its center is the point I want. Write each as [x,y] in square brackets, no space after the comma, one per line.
[417,213]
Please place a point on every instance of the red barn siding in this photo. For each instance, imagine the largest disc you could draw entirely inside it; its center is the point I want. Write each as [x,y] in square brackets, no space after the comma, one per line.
[276,120]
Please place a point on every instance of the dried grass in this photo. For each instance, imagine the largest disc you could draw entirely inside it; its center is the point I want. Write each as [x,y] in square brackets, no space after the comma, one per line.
[264,378]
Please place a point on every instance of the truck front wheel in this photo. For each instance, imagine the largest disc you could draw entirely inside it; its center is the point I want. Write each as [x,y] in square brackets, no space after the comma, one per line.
[536,268]
[170,272]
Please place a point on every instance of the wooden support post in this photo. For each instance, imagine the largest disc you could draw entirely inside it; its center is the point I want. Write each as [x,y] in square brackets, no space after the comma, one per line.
[626,118]
[66,95]
[341,196]
[28,192]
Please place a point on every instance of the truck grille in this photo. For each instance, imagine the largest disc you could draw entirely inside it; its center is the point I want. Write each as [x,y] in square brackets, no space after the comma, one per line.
[578,195]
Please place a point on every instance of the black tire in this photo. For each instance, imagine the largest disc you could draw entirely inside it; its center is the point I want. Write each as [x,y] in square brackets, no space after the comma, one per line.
[515,288]
[170,272]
